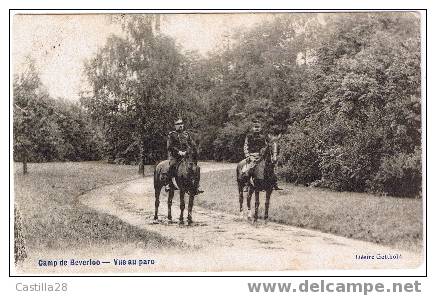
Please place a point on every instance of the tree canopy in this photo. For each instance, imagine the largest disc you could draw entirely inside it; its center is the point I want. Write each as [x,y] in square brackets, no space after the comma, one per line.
[343,89]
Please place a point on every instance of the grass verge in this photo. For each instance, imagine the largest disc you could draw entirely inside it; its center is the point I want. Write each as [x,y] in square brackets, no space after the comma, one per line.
[52,216]
[396,222]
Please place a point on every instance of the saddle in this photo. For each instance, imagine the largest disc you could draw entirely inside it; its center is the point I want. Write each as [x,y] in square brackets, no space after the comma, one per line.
[172,181]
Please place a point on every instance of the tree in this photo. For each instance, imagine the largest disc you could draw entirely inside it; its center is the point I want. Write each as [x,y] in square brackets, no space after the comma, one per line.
[259,75]
[25,86]
[47,129]
[140,83]
[362,105]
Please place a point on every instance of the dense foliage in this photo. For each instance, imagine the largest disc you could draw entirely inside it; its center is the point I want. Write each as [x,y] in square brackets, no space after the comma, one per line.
[359,126]
[140,82]
[344,90]
[48,129]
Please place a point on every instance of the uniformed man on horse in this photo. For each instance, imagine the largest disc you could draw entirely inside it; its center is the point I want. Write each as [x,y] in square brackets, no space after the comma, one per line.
[178,143]
[254,143]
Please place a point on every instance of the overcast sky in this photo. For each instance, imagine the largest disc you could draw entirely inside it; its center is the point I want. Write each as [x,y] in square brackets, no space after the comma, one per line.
[60,43]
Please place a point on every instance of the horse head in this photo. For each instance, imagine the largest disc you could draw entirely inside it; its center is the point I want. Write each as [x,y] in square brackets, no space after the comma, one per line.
[188,176]
[264,170]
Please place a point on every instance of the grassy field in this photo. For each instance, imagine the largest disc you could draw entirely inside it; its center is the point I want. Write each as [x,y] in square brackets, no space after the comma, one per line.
[52,216]
[389,221]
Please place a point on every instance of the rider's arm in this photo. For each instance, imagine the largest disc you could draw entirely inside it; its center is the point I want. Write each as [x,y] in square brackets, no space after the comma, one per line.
[194,148]
[193,144]
[171,146]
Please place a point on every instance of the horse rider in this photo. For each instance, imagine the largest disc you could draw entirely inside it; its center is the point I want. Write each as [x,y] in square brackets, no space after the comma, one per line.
[178,142]
[254,142]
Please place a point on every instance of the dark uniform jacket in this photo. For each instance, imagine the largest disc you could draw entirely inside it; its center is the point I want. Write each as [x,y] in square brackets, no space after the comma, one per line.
[179,141]
[254,142]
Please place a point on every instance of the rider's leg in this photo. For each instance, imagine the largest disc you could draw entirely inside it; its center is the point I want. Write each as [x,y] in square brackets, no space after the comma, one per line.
[249,167]
[171,172]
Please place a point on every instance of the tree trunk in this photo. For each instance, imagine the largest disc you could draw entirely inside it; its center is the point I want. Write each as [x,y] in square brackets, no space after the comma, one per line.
[141,170]
[24,164]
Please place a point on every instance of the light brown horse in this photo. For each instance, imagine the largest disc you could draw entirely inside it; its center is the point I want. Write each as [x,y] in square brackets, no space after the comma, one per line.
[262,179]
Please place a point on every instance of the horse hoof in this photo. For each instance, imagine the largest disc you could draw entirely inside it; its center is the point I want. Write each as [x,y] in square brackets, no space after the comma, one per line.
[181,222]
[190,222]
[265,221]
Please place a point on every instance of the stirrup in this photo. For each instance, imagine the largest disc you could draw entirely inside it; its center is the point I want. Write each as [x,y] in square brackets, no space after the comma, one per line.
[276,187]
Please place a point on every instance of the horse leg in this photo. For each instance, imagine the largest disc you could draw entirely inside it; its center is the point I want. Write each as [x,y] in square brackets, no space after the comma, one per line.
[182,205]
[241,198]
[256,205]
[156,201]
[249,195]
[267,198]
[170,203]
[190,206]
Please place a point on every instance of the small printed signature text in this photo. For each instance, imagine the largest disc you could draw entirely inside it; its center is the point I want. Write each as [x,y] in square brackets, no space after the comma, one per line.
[378,256]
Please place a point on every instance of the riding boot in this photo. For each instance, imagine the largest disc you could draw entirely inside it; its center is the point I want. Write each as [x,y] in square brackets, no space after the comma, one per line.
[171,174]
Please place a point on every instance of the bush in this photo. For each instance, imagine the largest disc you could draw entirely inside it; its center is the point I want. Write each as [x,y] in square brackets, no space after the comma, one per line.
[400,174]
[360,124]
[298,159]
[229,144]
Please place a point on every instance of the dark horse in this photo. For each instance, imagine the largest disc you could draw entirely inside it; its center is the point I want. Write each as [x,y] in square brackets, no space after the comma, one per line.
[262,179]
[187,179]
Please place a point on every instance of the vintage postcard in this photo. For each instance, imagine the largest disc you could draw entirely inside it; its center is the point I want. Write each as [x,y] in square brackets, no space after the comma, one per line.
[217,142]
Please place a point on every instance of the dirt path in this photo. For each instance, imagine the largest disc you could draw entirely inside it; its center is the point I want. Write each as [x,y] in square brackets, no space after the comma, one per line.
[222,242]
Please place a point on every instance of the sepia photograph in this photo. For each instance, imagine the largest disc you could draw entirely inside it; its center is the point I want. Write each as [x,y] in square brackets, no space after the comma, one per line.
[217,142]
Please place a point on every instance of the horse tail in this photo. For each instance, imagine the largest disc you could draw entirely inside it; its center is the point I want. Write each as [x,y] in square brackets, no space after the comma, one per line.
[155,177]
